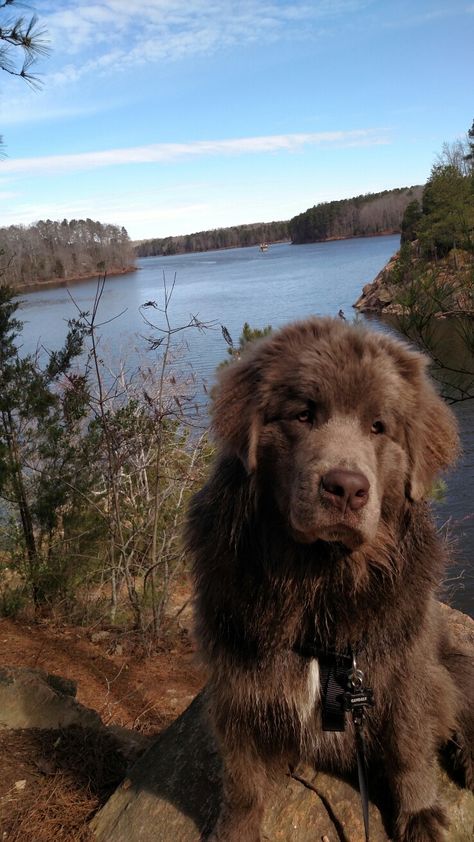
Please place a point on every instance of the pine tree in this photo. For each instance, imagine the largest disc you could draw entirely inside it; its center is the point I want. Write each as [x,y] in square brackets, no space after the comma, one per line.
[39,408]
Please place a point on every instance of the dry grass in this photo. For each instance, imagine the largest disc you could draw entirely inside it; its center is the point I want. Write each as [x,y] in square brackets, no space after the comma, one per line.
[54,782]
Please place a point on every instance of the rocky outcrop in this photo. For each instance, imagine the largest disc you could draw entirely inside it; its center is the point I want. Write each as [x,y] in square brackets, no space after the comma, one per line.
[173,791]
[451,277]
[378,296]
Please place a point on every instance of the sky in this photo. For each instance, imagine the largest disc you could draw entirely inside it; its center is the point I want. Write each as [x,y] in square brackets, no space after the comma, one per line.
[175,116]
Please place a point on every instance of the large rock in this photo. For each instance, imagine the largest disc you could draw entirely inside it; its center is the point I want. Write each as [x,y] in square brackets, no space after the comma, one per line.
[172,793]
[378,296]
[31,698]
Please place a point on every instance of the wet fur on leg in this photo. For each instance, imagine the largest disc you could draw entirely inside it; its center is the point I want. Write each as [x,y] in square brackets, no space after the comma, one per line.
[426,826]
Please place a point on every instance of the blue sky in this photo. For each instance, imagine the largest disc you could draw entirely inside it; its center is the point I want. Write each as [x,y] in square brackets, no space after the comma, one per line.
[172,116]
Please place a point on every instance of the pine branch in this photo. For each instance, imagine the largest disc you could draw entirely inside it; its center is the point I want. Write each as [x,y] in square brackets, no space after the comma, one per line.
[28,38]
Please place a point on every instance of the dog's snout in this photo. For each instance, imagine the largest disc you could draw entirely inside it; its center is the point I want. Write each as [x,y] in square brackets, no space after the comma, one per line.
[343,488]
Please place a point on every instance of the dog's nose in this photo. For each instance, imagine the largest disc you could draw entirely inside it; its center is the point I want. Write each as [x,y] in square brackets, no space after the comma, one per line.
[343,488]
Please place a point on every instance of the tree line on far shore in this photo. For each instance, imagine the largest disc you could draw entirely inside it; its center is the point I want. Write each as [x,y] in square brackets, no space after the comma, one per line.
[49,251]
[236,236]
[361,216]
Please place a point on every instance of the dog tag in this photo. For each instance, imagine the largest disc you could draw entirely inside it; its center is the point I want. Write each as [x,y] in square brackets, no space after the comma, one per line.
[357,699]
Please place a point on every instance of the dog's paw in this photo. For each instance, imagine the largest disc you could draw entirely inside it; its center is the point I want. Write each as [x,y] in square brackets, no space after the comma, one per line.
[426,826]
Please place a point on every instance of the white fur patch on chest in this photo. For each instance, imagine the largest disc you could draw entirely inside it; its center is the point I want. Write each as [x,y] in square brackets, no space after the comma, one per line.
[311,697]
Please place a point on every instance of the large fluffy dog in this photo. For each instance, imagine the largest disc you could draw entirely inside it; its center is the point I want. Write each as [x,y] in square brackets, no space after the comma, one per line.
[312,536]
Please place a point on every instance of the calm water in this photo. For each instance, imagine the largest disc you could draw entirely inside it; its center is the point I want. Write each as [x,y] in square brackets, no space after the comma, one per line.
[237,285]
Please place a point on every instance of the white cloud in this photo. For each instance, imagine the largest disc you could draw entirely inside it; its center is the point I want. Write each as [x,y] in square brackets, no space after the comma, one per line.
[169,152]
[93,38]
[119,34]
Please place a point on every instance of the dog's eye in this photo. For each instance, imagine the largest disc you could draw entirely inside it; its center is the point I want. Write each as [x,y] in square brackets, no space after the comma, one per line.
[377,428]
[305,417]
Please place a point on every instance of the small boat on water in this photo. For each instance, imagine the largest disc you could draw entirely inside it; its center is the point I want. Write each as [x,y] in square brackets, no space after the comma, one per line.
[263,246]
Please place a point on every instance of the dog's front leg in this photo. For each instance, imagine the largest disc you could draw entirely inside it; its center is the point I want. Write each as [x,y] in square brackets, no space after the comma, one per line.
[244,784]
[411,763]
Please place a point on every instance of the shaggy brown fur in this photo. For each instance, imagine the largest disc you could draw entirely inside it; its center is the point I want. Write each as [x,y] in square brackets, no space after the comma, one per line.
[313,527]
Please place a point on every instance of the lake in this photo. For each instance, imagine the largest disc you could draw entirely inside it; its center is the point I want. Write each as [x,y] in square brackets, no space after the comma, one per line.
[233,286]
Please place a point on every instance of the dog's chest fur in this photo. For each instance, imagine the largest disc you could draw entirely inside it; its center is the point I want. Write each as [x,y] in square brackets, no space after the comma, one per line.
[311,692]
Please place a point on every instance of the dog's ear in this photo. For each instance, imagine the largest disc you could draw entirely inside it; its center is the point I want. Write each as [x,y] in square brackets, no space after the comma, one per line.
[236,419]
[432,432]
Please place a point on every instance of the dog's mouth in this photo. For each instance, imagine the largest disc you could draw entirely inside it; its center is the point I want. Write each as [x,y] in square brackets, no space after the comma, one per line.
[347,534]
[342,534]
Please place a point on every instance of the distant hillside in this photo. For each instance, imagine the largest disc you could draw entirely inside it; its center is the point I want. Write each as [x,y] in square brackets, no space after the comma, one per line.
[219,238]
[362,216]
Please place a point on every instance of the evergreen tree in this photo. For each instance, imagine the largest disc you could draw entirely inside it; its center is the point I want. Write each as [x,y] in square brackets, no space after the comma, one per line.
[249,334]
[411,218]
[40,409]
[448,212]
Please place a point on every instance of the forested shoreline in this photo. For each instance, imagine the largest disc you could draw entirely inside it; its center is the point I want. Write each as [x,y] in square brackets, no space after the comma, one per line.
[236,236]
[50,252]
[361,216]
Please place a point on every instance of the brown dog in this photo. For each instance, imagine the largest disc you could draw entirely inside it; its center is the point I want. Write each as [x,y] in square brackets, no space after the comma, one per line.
[310,538]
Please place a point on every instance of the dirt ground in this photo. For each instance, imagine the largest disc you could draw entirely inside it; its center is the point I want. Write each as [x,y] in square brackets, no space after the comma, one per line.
[52,783]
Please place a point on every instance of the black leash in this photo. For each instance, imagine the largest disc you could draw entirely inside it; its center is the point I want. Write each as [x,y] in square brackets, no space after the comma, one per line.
[362,775]
[342,692]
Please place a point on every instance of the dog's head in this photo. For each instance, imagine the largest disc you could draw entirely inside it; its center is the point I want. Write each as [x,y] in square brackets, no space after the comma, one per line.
[341,426]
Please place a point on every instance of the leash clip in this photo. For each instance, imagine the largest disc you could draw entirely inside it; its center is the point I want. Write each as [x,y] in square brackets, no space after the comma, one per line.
[355,676]
[358,697]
